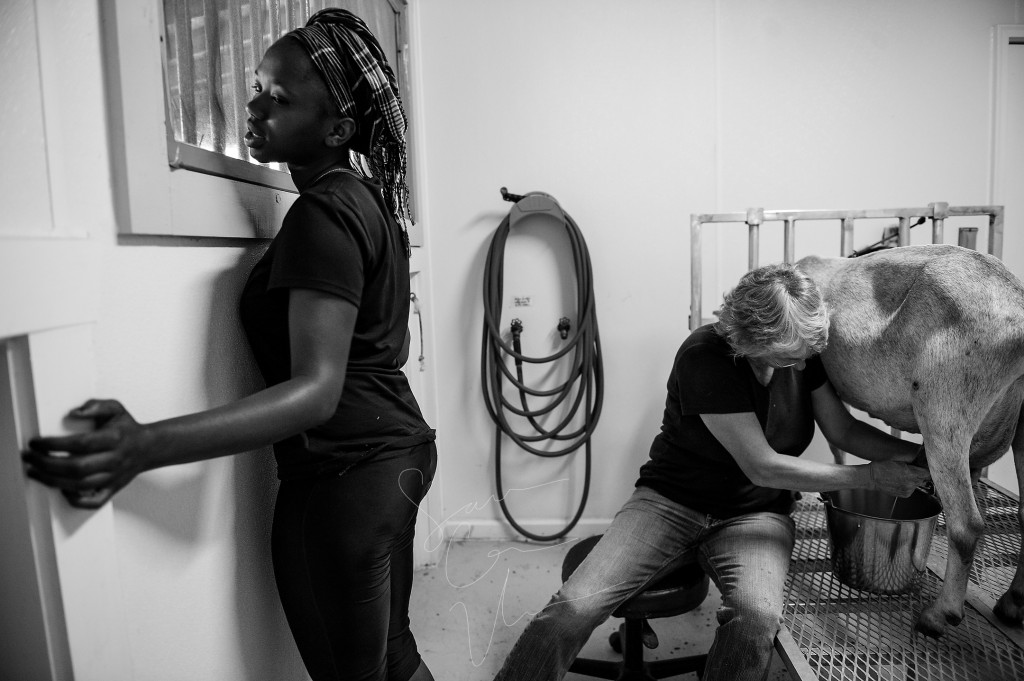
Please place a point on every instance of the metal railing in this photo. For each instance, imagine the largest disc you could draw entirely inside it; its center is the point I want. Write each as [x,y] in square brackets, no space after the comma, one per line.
[755,217]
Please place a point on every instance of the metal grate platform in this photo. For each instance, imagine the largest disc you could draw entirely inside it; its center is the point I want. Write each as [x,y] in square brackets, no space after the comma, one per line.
[996,559]
[843,634]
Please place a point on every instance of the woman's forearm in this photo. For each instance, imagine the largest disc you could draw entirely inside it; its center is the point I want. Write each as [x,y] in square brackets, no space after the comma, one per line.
[252,422]
[890,477]
[867,442]
[787,472]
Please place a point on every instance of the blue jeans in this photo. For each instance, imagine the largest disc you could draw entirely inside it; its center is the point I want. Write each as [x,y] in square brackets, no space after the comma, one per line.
[747,557]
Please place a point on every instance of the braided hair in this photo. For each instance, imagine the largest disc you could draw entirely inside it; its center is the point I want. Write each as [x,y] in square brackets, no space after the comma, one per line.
[364,88]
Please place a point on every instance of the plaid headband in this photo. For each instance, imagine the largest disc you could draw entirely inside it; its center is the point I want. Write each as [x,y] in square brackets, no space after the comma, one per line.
[336,39]
[364,87]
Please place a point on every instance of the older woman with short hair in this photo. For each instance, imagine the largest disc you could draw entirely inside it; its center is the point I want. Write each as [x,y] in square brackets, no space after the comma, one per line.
[744,395]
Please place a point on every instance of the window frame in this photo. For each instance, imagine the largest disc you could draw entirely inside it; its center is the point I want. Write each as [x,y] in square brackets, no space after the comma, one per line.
[163,187]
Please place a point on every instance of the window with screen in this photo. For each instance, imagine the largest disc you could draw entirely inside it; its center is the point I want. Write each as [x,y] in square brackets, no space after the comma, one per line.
[212,47]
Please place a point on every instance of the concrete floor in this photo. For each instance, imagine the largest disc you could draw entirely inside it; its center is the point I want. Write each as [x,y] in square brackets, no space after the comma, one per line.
[468,611]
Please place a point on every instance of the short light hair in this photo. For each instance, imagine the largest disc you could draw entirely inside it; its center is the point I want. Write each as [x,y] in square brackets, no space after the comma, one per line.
[772,310]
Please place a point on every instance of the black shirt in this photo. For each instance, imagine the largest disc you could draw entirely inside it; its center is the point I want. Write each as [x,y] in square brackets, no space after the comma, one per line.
[339,237]
[688,465]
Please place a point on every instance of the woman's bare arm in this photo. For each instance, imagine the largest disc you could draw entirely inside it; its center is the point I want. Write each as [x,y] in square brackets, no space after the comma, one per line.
[104,460]
[742,436]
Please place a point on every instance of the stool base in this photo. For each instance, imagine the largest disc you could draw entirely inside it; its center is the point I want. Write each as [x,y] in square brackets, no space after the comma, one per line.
[633,667]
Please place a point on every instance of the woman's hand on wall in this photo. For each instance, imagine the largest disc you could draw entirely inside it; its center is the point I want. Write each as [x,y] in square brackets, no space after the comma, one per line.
[89,468]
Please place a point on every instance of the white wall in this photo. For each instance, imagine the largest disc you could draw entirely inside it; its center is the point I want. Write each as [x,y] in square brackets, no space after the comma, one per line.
[539,96]
[634,115]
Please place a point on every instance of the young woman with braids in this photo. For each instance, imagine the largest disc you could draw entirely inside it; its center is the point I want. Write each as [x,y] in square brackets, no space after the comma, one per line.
[744,395]
[326,313]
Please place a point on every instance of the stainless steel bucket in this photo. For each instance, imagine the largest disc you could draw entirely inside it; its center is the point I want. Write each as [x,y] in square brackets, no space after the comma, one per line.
[879,542]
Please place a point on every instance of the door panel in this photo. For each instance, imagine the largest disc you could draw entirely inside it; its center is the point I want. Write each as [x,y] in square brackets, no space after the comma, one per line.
[1008,175]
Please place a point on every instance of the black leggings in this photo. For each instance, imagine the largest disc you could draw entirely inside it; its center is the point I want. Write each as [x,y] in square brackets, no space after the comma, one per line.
[342,548]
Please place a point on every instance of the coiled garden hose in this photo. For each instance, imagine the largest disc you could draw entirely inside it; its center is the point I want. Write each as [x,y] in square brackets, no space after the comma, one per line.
[583,387]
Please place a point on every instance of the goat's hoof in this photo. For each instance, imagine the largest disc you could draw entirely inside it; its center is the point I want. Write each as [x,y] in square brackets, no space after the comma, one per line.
[929,629]
[932,622]
[1010,609]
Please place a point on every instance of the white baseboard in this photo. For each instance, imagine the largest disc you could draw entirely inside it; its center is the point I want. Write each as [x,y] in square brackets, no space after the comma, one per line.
[431,542]
[495,530]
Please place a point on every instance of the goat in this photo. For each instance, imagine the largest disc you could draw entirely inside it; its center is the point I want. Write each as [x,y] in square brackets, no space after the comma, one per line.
[930,339]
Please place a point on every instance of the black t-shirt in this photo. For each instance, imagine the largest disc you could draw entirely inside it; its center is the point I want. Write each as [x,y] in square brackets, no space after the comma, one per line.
[339,237]
[688,465]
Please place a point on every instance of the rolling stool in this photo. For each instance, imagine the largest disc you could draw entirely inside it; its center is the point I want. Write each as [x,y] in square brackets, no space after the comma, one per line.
[673,594]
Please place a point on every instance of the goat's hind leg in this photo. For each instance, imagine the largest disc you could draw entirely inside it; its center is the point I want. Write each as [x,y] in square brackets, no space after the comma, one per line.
[1010,607]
